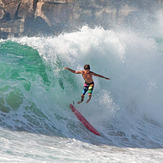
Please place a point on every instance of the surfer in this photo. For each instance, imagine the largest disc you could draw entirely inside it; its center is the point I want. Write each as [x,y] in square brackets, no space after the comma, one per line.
[88,78]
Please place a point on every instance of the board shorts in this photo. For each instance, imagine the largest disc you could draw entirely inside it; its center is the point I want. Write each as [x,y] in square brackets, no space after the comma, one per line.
[88,87]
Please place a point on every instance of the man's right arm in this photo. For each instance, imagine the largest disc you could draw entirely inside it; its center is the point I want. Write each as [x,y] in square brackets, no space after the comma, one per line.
[73,71]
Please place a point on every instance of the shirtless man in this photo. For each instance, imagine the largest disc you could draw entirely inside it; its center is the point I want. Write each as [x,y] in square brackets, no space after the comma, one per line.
[88,77]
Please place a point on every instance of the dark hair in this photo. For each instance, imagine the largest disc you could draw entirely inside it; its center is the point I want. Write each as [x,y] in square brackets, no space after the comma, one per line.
[86,67]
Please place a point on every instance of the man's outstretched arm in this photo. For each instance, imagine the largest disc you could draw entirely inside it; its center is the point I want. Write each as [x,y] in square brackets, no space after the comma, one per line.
[73,71]
[100,76]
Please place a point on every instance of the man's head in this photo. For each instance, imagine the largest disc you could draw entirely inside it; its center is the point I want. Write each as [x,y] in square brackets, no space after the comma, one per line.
[86,67]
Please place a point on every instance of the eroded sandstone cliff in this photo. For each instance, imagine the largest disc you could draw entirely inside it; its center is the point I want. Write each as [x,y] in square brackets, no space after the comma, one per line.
[46,17]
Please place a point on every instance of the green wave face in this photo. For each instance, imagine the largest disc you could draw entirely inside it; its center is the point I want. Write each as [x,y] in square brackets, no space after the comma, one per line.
[22,73]
[19,61]
[32,92]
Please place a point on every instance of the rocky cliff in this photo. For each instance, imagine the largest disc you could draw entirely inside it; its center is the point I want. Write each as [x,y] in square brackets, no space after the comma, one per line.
[50,17]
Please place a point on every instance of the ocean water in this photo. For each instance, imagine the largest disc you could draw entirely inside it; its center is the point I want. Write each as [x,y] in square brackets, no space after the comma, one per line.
[36,122]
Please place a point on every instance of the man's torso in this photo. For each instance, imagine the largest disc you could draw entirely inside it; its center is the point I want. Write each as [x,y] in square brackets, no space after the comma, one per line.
[87,77]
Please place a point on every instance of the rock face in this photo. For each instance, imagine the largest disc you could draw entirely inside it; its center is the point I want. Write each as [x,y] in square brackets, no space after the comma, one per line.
[50,17]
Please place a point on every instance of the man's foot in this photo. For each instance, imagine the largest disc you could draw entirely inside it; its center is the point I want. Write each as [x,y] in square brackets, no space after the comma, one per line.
[80,102]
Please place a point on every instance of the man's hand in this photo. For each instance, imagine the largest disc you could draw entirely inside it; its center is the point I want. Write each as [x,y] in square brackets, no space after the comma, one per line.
[73,71]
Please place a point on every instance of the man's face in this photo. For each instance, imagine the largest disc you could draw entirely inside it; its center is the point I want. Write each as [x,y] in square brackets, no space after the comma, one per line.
[87,71]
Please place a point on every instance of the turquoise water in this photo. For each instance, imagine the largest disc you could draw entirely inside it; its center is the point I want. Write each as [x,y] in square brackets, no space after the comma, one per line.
[35,93]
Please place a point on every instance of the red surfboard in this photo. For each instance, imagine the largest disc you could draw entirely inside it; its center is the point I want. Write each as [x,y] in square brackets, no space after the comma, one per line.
[83,120]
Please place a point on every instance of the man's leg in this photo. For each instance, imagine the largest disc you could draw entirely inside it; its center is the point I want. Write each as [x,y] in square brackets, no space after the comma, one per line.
[90,90]
[90,95]
[82,98]
[85,89]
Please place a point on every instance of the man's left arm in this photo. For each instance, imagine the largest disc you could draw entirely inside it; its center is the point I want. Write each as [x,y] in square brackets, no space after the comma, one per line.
[100,76]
